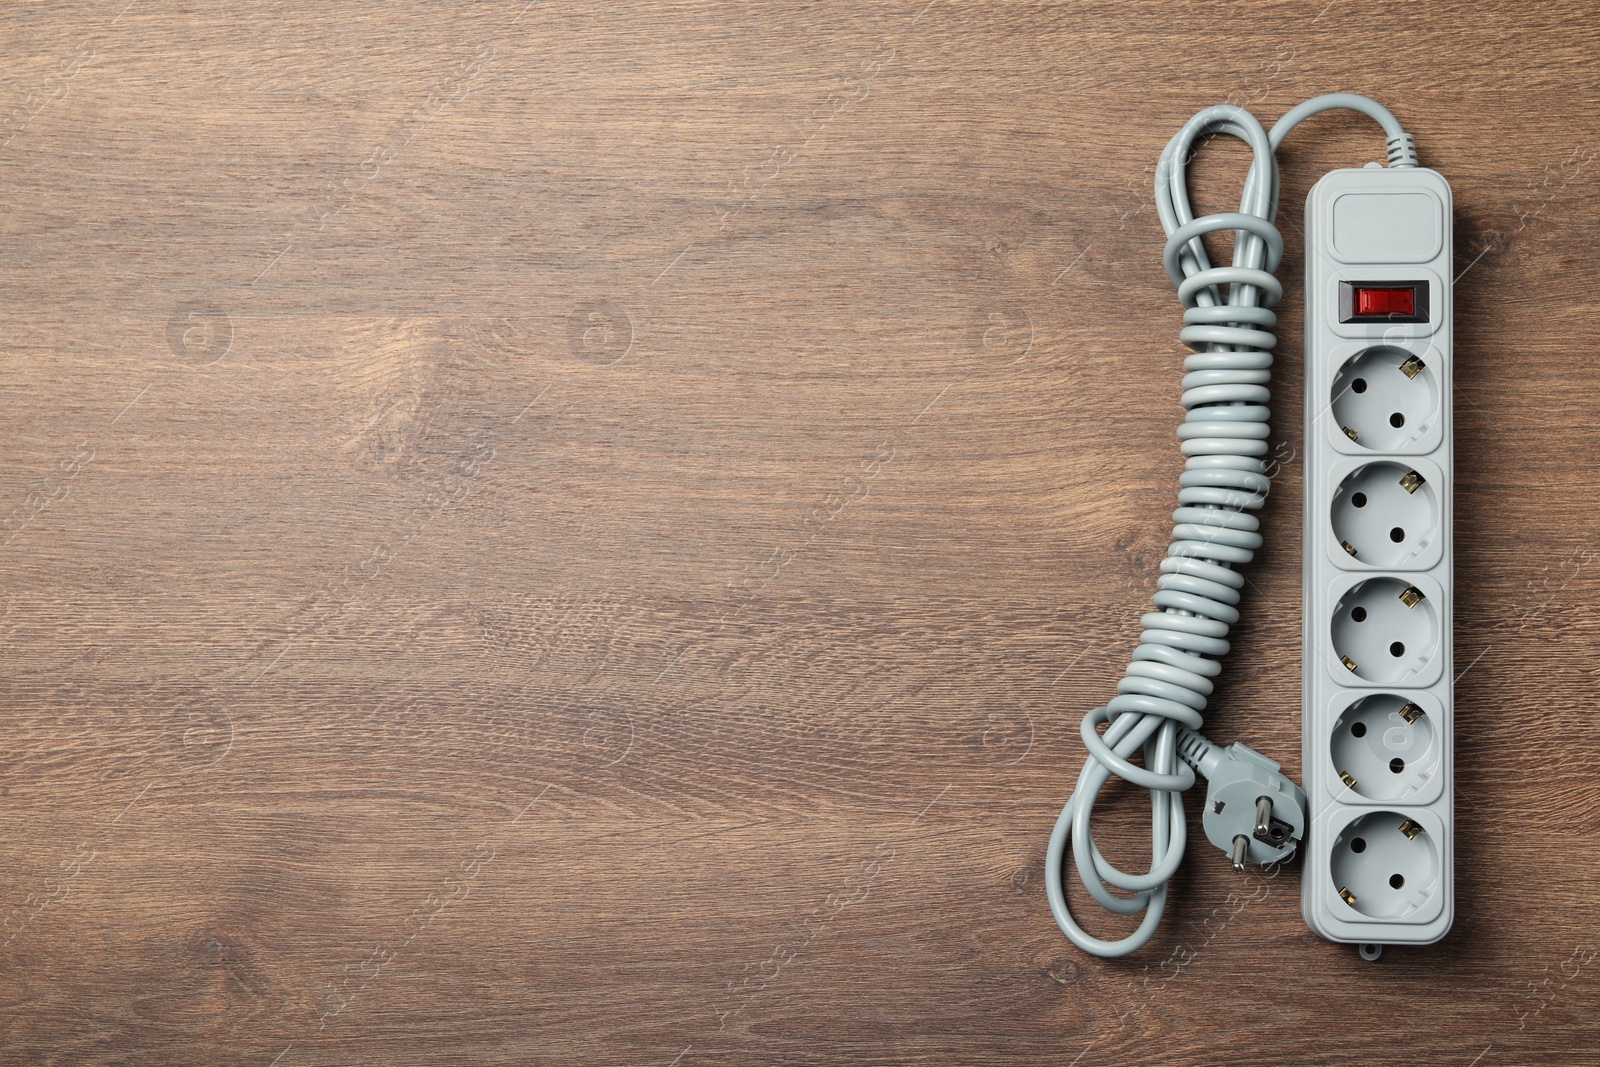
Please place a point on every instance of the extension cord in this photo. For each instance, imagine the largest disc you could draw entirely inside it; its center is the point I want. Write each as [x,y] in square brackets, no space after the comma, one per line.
[1366,227]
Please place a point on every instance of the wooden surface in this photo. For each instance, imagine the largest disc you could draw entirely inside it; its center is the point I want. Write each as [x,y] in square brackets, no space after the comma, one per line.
[582,534]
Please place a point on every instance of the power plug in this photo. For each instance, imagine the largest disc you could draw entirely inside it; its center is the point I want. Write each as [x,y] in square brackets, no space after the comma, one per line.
[1377,714]
[1253,812]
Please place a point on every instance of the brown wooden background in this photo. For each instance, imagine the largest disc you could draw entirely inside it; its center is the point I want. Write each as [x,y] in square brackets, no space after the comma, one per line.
[581,534]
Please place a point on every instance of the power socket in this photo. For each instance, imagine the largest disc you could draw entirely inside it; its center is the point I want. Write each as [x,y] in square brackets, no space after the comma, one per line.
[1378,710]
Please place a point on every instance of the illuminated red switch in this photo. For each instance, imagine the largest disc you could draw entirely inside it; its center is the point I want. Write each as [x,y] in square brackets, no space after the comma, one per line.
[1375,301]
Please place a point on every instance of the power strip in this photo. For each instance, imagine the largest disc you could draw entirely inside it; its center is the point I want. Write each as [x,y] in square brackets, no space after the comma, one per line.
[1377,717]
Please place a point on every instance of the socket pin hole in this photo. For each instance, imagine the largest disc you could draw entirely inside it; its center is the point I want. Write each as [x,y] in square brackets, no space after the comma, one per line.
[1397,420]
[1358,844]
[1359,499]
[1397,650]
[1359,385]
[1358,729]
[1397,765]
[1359,614]
[1397,534]
[1396,880]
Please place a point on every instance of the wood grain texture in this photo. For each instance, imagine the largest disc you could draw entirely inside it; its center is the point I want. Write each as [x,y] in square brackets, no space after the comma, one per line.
[581,534]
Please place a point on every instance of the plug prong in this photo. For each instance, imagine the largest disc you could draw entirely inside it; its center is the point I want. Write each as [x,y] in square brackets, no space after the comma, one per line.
[1263,817]
[1240,844]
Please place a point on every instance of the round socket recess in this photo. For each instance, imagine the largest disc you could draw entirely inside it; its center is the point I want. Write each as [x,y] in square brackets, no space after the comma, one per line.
[1384,865]
[1385,514]
[1384,630]
[1385,398]
[1384,747]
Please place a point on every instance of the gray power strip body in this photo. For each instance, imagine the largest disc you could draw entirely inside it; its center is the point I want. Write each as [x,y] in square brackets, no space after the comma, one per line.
[1378,712]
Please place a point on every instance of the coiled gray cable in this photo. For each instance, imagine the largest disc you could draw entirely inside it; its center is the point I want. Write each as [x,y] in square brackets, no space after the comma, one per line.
[1162,693]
